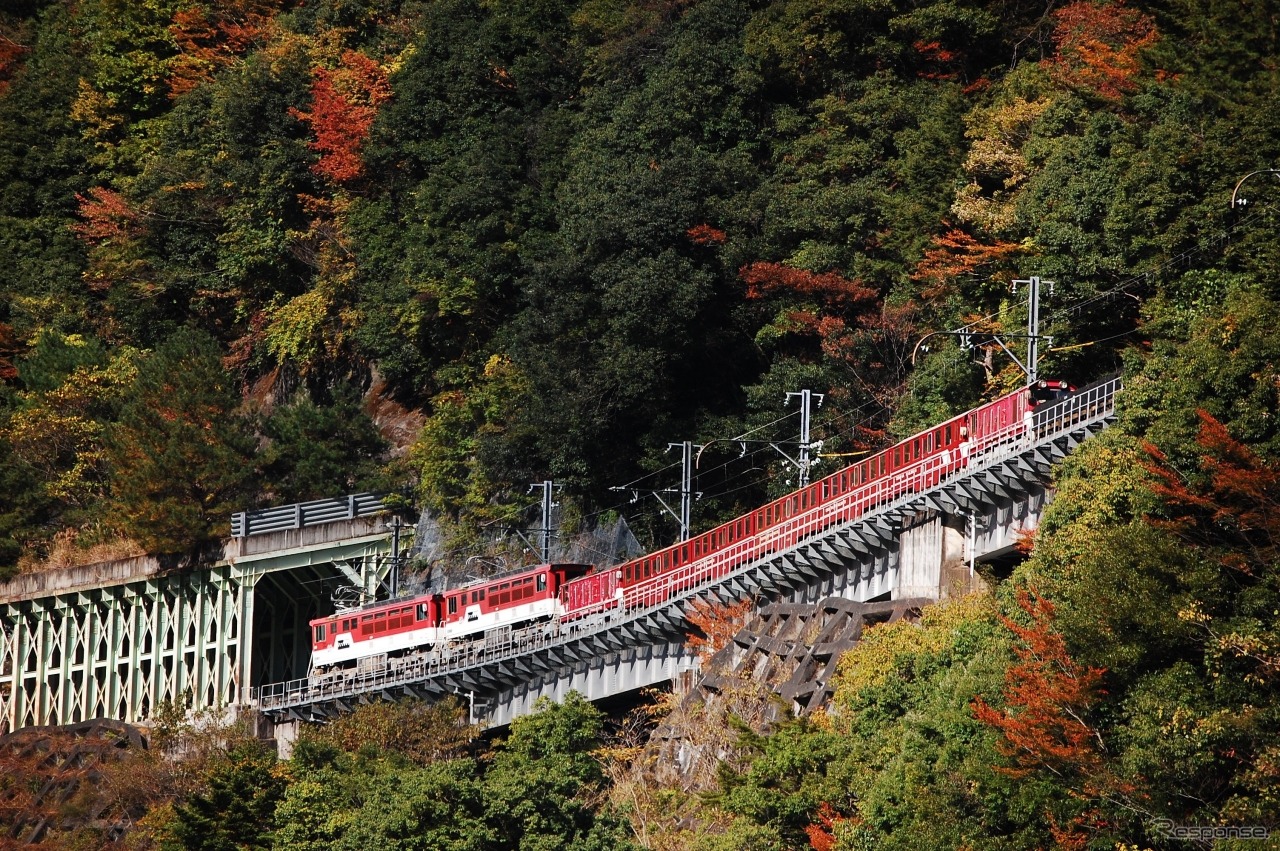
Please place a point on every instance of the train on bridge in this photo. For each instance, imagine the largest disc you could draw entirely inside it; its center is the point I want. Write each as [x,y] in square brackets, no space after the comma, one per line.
[562,598]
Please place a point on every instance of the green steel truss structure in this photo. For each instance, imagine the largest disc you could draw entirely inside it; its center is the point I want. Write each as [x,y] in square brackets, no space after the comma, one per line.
[119,640]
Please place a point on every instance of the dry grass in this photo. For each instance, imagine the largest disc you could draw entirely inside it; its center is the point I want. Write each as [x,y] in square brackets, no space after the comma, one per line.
[67,550]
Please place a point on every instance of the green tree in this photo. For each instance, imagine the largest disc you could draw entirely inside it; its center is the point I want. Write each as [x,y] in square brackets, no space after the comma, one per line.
[43,164]
[437,807]
[237,811]
[541,789]
[319,451]
[180,454]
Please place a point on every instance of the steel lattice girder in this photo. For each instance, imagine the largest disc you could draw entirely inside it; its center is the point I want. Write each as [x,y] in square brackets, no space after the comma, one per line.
[122,650]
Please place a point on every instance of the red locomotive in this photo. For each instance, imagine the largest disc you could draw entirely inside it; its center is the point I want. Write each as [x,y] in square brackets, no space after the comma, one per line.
[560,595]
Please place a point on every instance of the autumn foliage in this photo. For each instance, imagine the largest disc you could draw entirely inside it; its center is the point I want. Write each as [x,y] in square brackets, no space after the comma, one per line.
[105,215]
[1098,45]
[705,234]
[822,832]
[715,624]
[210,38]
[344,103]
[764,278]
[1047,696]
[11,54]
[1235,500]
[956,254]
[940,62]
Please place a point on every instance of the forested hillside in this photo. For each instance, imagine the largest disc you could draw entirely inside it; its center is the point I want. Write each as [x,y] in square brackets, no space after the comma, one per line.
[246,245]
[559,236]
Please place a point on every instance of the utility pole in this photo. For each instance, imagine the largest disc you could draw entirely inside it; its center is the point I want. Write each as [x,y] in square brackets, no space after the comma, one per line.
[806,411]
[686,486]
[544,534]
[1033,323]
[687,493]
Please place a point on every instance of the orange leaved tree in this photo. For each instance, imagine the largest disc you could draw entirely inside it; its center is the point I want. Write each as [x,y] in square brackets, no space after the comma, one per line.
[716,625]
[1047,697]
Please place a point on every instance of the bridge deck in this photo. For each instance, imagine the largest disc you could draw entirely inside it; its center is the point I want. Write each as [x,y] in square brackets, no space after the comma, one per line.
[836,536]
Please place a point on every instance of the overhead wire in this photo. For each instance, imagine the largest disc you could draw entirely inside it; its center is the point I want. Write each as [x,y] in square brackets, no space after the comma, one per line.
[847,417]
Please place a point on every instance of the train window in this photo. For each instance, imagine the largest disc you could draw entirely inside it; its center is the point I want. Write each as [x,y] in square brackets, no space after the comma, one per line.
[481,595]
[319,632]
[422,611]
[453,605]
[542,582]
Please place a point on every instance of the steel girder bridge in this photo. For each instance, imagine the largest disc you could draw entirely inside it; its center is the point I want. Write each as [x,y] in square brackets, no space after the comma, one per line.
[639,643]
[118,640]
